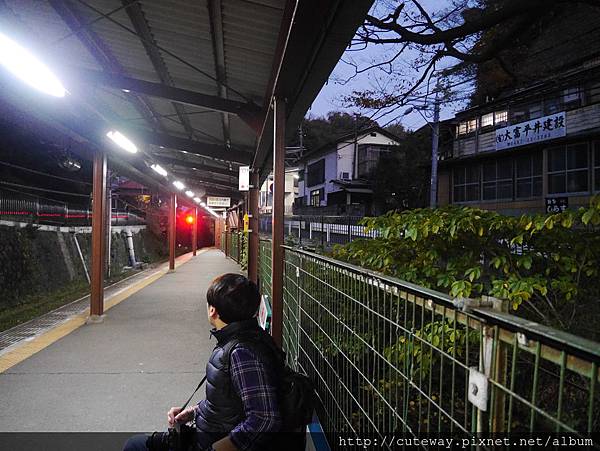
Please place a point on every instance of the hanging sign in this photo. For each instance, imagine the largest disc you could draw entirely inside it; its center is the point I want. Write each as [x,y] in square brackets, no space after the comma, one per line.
[535,130]
[244,178]
[214,201]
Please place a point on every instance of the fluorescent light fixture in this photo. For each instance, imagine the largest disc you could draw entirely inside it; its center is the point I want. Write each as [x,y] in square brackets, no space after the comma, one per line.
[177,184]
[126,90]
[28,68]
[122,141]
[189,193]
[159,169]
[203,204]
[197,200]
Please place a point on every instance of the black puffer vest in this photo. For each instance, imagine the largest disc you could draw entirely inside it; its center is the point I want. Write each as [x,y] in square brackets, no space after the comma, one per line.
[223,409]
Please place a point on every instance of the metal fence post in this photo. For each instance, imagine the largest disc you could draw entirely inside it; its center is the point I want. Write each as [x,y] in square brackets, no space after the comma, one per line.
[322,232]
[500,366]
[349,230]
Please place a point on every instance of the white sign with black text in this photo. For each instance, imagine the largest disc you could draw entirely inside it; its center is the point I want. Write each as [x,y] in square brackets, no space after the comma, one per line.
[535,130]
[244,178]
[214,201]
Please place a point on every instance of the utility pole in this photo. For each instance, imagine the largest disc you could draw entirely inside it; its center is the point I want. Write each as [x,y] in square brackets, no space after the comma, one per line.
[434,148]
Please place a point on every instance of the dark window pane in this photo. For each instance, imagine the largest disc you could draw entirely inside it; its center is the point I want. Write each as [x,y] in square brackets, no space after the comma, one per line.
[505,169]
[577,156]
[524,188]
[459,176]
[523,166]
[316,173]
[577,181]
[556,159]
[459,193]
[556,183]
[505,189]
[472,192]
[537,163]
[597,179]
[537,186]
[489,191]
[472,174]
[489,171]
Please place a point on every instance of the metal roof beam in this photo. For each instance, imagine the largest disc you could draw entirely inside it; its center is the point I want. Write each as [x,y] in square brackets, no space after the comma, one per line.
[207,180]
[216,151]
[138,20]
[103,55]
[167,92]
[198,166]
[216,27]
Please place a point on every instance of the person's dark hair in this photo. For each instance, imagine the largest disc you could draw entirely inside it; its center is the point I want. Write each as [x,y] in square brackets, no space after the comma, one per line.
[234,297]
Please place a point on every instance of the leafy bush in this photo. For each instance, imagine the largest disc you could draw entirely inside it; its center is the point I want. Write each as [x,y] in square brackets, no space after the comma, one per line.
[545,265]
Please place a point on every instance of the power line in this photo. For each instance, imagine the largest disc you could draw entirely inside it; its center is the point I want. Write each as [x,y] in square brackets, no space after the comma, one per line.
[46,190]
[4,163]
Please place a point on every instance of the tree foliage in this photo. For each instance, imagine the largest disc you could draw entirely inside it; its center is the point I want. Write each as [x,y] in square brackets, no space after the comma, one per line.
[546,266]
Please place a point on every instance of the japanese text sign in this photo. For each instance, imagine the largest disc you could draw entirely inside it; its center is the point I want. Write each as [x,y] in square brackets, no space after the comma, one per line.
[535,130]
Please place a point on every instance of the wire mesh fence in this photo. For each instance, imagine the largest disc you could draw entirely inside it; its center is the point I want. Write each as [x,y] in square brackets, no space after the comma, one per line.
[389,357]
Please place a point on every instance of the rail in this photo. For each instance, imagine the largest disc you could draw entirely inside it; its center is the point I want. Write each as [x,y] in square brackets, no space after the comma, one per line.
[390,357]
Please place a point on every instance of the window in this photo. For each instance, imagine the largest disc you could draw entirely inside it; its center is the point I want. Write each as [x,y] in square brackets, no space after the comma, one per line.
[345,175]
[316,173]
[597,166]
[568,169]
[368,158]
[471,125]
[571,97]
[528,175]
[316,196]
[487,120]
[593,93]
[500,117]
[466,184]
[301,175]
[461,129]
[497,180]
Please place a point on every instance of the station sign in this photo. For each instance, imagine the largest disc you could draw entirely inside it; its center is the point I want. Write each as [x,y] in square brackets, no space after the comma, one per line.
[215,201]
[533,131]
[244,178]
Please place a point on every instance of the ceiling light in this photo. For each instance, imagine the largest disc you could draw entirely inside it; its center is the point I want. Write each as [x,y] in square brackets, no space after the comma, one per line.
[197,200]
[126,90]
[203,204]
[122,141]
[189,193]
[178,185]
[159,169]
[28,68]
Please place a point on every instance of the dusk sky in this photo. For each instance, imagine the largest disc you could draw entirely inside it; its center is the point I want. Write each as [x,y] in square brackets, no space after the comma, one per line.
[331,96]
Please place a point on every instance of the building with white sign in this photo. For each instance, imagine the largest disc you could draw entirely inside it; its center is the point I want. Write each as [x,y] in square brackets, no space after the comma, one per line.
[530,148]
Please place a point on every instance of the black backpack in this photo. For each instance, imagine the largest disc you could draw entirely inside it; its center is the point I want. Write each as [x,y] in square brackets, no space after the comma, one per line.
[296,392]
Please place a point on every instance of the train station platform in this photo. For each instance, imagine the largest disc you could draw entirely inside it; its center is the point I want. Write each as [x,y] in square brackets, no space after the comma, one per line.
[123,374]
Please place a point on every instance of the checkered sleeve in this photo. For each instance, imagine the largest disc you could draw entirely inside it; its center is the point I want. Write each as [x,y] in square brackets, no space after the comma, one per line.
[255,385]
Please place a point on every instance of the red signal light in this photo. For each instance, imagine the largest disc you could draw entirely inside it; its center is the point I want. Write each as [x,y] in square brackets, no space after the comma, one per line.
[189,219]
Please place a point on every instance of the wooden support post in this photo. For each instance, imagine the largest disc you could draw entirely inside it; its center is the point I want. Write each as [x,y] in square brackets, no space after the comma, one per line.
[253,238]
[195,232]
[277,255]
[172,230]
[99,212]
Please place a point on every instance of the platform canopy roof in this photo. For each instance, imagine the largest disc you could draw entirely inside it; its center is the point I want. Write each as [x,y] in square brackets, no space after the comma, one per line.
[189,81]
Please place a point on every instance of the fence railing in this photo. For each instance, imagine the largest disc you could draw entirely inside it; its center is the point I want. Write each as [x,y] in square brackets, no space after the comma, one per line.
[391,357]
[235,245]
[322,231]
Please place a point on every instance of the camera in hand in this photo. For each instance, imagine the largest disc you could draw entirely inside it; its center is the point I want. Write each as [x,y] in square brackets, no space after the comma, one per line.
[173,440]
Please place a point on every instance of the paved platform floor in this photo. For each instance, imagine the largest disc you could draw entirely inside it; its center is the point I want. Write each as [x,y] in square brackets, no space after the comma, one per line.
[125,373]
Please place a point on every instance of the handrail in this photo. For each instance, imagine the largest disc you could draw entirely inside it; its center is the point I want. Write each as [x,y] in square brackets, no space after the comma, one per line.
[577,346]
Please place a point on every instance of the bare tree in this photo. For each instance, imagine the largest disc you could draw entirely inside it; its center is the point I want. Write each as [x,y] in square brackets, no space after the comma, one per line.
[449,43]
